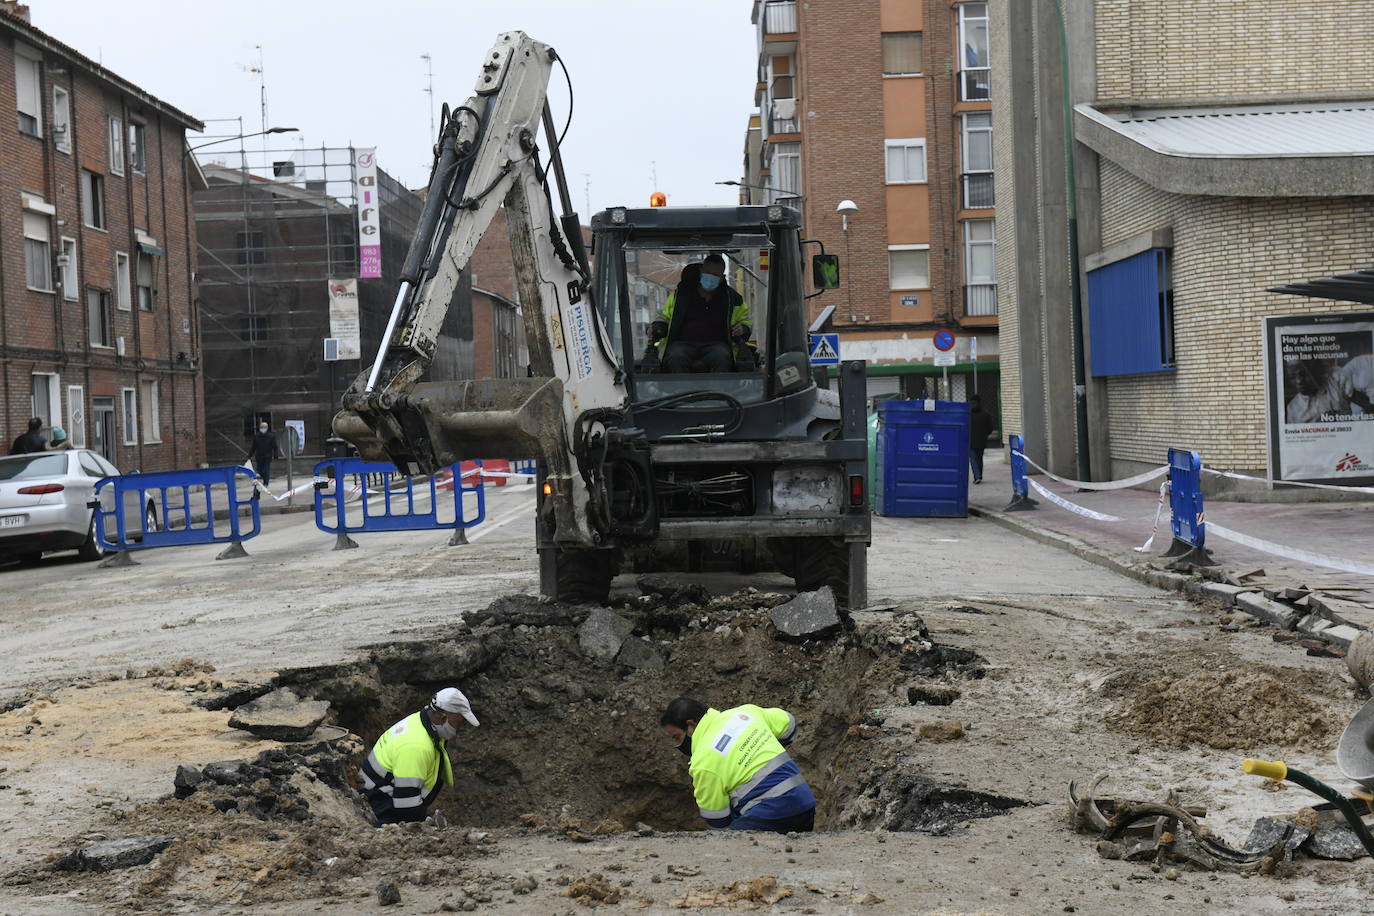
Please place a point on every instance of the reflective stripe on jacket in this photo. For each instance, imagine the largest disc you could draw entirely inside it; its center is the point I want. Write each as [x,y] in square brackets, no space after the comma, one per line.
[739,766]
[406,769]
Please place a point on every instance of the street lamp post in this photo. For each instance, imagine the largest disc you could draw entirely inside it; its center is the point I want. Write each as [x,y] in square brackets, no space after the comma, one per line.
[260,133]
[766,190]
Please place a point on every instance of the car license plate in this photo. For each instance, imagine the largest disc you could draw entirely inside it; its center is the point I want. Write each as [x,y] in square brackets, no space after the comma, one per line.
[13,521]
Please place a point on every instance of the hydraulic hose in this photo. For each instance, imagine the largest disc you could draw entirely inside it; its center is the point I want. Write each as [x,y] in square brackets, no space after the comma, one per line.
[1277,769]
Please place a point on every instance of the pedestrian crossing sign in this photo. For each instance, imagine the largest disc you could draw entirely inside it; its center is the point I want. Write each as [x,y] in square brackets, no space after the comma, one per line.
[825,349]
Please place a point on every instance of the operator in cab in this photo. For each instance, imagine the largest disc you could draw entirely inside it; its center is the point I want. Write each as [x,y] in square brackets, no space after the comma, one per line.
[409,764]
[742,775]
[703,321]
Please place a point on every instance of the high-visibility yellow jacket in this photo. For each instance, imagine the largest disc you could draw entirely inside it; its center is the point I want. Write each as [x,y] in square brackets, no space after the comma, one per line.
[405,771]
[739,314]
[740,768]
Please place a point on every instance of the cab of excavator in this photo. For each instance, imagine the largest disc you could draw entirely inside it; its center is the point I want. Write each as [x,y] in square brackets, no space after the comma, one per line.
[648,270]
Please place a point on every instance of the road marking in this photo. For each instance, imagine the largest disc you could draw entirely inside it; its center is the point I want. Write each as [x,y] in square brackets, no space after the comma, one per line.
[508,517]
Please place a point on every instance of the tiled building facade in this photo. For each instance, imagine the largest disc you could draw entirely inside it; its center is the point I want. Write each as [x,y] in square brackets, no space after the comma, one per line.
[98,331]
[1199,137]
[886,103]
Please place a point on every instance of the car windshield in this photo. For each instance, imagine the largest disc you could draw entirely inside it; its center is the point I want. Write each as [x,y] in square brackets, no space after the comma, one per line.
[28,467]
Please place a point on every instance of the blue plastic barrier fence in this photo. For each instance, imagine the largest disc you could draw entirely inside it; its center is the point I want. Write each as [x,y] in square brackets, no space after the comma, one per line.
[1189,522]
[526,466]
[1020,487]
[178,518]
[399,503]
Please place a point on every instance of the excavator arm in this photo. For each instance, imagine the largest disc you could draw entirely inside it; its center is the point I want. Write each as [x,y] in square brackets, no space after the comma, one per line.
[568,412]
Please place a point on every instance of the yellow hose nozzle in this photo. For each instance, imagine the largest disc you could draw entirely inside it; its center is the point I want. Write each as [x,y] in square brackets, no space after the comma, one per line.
[1269,769]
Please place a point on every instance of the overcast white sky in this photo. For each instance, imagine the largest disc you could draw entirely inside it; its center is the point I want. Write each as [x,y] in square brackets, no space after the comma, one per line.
[659,85]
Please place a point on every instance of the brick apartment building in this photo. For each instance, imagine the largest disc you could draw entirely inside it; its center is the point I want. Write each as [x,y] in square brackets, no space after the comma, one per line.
[98,333]
[886,103]
[1219,151]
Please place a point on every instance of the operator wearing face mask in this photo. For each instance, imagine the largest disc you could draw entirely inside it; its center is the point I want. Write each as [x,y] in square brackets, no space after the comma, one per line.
[702,321]
[409,765]
[742,777]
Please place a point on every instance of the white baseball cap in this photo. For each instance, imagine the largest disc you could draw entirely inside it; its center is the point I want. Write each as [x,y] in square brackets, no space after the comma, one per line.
[451,699]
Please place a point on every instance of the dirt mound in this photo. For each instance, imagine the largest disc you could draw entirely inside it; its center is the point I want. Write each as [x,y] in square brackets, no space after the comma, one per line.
[739,895]
[1225,703]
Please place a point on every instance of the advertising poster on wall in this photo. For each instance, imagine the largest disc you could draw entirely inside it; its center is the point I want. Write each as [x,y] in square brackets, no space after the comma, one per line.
[343,317]
[1320,383]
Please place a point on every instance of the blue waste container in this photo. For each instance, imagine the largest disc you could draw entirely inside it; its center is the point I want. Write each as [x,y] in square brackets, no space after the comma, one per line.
[922,461]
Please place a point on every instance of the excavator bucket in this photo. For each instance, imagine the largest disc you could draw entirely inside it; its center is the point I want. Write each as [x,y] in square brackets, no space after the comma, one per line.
[438,423]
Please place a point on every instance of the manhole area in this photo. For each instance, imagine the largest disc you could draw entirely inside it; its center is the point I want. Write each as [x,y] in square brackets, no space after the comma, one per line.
[569,735]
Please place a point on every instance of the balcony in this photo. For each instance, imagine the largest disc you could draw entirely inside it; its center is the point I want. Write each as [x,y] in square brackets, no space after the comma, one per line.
[975,84]
[782,117]
[980,300]
[977,190]
[779,17]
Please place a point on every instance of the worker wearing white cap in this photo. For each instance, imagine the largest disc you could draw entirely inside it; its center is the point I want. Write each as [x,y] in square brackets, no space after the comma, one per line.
[409,765]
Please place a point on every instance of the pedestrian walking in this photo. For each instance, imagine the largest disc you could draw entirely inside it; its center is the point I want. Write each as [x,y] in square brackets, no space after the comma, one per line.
[980,429]
[409,764]
[262,449]
[742,776]
[31,440]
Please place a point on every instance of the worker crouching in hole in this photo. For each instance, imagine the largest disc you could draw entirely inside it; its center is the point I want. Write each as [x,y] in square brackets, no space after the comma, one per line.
[409,764]
[742,776]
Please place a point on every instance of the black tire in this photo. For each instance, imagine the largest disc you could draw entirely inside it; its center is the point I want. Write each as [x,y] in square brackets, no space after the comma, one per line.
[584,576]
[818,562]
[31,557]
[90,548]
[150,517]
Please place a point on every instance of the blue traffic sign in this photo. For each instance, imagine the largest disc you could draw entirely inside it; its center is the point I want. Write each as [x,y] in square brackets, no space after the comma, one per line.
[825,349]
[944,340]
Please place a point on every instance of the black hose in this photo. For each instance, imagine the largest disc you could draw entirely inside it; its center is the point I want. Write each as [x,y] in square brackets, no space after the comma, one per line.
[1352,817]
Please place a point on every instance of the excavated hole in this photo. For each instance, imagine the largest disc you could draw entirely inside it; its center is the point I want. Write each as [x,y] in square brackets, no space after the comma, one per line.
[572,742]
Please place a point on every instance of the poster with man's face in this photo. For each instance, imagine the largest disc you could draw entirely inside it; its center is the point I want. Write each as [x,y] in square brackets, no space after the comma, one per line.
[1321,397]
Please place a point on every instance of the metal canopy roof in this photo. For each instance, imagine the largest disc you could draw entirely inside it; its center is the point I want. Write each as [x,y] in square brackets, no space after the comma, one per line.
[1353,287]
[1244,132]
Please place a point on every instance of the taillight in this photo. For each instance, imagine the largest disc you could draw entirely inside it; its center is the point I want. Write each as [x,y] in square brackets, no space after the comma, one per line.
[856,490]
[42,488]
[548,489]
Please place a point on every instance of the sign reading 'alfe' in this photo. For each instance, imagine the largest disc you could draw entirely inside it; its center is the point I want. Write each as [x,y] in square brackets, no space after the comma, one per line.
[369,212]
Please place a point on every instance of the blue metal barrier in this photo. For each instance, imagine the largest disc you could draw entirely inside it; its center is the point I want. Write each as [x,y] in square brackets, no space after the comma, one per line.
[528,466]
[1189,522]
[179,519]
[1020,487]
[397,504]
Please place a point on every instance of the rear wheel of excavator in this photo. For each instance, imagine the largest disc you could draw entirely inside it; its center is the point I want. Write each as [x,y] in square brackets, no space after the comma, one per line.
[816,562]
[578,575]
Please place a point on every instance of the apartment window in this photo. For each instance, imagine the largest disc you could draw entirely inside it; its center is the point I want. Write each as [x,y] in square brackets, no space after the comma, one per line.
[93,199]
[980,267]
[251,247]
[138,147]
[152,427]
[787,170]
[908,266]
[906,160]
[122,281]
[129,397]
[975,74]
[116,146]
[38,250]
[28,68]
[76,416]
[98,313]
[976,145]
[66,263]
[62,119]
[253,328]
[145,281]
[901,53]
[46,400]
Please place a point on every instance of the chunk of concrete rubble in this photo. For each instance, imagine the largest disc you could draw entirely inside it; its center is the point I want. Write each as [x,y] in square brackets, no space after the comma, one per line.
[280,716]
[1333,839]
[186,780]
[636,653]
[807,615]
[603,633]
[112,855]
[1267,609]
[1270,834]
[446,662]
[387,894]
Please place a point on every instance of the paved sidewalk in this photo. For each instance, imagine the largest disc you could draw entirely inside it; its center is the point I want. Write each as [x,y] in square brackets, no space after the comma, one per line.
[1344,530]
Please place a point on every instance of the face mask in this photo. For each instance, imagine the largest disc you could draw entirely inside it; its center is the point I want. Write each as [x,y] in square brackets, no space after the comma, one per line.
[686,745]
[709,282]
[445,731]
[262,429]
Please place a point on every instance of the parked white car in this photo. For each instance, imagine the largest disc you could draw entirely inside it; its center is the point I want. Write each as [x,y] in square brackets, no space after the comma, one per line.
[44,504]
